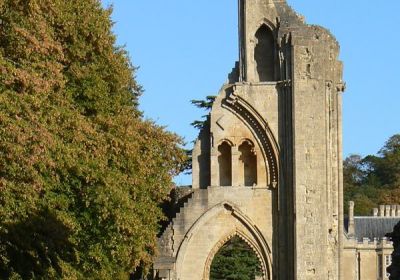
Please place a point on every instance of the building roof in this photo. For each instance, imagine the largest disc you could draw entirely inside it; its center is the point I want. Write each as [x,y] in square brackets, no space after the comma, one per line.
[373,227]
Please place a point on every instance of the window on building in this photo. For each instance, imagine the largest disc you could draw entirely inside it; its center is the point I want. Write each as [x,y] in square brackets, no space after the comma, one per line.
[264,54]
[248,160]
[388,262]
[225,164]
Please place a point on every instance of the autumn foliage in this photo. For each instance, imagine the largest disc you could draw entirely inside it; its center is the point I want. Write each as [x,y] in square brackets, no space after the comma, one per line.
[81,172]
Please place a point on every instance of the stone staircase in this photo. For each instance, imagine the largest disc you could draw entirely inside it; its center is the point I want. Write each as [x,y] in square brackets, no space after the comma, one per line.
[187,215]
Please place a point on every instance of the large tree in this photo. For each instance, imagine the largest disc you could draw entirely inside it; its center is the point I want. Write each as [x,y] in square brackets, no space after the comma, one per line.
[374,179]
[81,172]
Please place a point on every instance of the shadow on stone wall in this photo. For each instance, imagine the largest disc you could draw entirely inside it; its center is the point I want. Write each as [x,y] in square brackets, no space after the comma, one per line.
[177,198]
[394,268]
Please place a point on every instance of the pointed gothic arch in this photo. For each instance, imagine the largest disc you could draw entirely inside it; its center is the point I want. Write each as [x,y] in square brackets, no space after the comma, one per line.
[264,54]
[251,235]
[223,241]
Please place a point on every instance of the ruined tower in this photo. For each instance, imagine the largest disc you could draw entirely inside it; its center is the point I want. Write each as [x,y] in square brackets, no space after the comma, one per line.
[267,166]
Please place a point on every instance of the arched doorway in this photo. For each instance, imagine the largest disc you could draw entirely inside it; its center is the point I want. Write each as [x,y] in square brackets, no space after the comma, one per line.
[236,260]
[236,257]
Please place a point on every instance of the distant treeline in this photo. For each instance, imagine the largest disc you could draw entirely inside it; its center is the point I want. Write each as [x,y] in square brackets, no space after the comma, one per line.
[374,179]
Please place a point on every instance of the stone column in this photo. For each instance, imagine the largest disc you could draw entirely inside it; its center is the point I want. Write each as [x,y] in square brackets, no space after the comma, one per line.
[351,219]
[387,210]
[381,210]
[235,167]
[214,167]
[393,212]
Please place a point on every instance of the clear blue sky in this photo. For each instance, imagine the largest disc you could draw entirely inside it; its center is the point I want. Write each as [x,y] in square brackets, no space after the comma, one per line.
[186,48]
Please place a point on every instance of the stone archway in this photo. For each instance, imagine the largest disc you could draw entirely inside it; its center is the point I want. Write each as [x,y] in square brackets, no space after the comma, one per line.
[210,232]
[223,241]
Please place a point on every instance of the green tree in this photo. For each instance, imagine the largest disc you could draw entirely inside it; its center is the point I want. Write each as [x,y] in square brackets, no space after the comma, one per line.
[81,172]
[205,105]
[374,179]
[235,261]
[355,189]
[385,168]
[199,124]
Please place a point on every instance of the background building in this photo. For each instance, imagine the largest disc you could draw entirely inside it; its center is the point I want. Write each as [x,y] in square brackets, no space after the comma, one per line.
[367,252]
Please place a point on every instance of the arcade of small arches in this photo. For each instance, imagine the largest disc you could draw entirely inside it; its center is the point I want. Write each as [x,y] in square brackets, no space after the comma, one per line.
[245,167]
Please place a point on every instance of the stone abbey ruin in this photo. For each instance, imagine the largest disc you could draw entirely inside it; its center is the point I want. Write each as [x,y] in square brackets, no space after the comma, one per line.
[267,168]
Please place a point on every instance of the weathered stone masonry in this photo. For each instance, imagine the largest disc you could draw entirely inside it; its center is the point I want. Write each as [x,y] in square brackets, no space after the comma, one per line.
[268,168]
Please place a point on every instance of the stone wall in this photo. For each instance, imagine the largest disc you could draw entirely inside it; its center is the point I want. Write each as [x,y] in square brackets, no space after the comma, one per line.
[268,167]
[207,221]
[366,259]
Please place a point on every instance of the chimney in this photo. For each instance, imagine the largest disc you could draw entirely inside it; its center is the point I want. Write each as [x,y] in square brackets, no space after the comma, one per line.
[387,211]
[350,229]
[381,210]
[394,208]
[375,212]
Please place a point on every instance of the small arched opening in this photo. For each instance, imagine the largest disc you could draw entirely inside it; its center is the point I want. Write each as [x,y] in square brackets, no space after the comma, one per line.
[264,54]
[236,260]
[225,164]
[248,162]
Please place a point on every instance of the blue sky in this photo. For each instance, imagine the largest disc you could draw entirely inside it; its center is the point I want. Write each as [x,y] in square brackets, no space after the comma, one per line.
[186,48]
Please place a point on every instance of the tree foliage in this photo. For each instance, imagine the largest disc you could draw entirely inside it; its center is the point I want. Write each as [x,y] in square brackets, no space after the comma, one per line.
[198,124]
[81,172]
[235,261]
[205,105]
[374,179]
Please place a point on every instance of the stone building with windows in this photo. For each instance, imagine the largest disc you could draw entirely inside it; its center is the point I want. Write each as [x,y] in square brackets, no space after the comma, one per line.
[267,166]
[366,250]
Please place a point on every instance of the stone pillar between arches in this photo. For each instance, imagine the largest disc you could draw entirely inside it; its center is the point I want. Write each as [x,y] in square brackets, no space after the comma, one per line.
[214,167]
[236,178]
